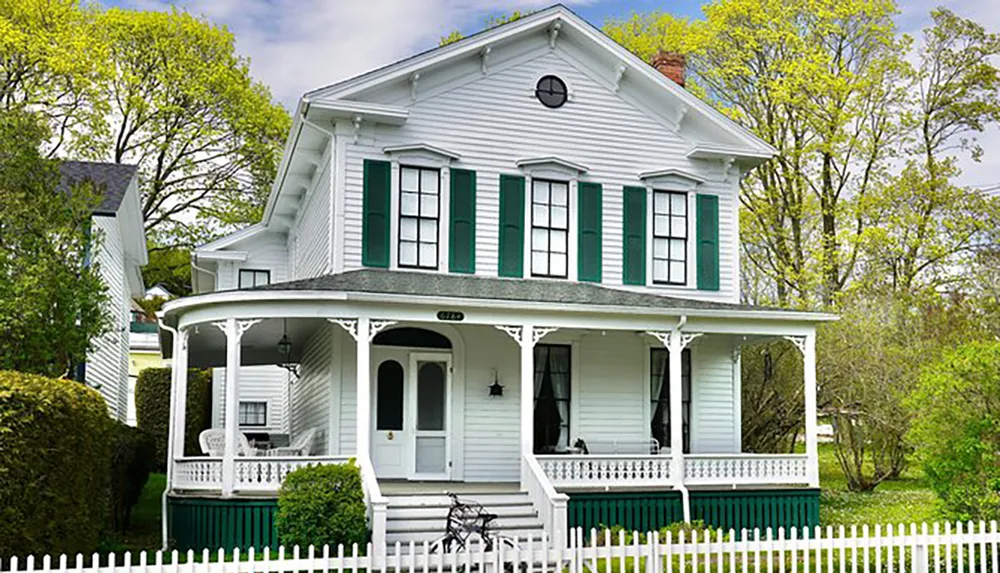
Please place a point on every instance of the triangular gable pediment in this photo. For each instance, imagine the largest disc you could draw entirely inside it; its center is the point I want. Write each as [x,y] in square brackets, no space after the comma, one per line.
[621,69]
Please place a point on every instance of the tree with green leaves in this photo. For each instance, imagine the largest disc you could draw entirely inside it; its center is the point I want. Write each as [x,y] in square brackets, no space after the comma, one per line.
[52,298]
[492,21]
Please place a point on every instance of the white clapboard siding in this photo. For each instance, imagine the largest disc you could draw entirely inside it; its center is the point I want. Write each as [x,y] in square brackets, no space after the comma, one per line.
[310,394]
[256,384]
[265,252]
[714,426]
[347,386]
[954,548]
[494,120]
[107,361]
[611,387]
[312,252]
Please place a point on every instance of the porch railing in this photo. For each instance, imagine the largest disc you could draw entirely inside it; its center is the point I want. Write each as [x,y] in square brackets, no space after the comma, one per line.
[744,469]
[552,505]
[609,470]
[377,504]
[253,474]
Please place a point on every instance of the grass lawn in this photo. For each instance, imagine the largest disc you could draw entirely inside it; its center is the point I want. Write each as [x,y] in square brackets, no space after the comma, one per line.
[905,500]
[145,532]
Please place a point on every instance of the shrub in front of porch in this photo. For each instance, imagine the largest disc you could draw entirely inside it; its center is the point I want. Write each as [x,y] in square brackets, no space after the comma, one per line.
[55,451]
[131,461]
[152,409]
[322,505]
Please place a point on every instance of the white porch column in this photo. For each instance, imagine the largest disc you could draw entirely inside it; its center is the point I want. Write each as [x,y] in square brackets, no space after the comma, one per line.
[363,368]
[234,330]
[812,441]
[527,397]
[675,348]
[179,418]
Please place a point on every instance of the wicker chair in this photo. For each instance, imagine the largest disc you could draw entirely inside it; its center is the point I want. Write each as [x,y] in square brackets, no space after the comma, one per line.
[302,445]
[213,443]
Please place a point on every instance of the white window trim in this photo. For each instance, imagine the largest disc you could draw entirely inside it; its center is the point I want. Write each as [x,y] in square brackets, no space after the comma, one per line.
[691,280]
[423,161]
[558,173]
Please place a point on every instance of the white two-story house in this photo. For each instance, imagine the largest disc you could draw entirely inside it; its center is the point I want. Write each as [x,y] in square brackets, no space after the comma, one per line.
[508,268]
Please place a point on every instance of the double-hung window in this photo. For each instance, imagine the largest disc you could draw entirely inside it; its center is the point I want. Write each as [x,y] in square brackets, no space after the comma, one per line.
[419,214]
[549,228]
[670,237]
[252,278]
[253,413]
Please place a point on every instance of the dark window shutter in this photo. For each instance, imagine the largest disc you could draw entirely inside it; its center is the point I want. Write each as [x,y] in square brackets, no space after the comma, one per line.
[375,214]
[462,235]
[511,226]
[634,239]
[707,235]
[589,244]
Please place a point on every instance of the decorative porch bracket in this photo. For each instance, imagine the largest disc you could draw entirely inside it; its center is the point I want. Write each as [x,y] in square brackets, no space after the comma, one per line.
[350,325]
[234,330]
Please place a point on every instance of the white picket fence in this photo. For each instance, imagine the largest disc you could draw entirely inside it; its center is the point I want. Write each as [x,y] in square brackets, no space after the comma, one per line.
[962,548]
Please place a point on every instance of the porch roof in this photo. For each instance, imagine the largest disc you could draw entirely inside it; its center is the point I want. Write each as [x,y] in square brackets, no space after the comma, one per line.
[425,284]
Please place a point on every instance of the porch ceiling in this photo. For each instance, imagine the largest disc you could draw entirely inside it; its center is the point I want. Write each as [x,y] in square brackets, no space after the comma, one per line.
[259,345]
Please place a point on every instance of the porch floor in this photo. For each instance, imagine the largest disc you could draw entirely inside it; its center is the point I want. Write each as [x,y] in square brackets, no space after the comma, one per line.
[404,487]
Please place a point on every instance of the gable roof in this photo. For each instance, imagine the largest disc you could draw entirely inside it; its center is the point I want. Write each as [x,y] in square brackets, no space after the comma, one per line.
[559,15]
[112,180]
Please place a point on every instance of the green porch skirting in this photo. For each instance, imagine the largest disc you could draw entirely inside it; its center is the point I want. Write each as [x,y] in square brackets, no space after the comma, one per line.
[201,523]
[736,509]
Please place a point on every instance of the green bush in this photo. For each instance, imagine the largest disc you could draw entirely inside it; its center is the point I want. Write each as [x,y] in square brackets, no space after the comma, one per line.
[55,451]
[956,428]
[152,409]
[132,459]
[322,505]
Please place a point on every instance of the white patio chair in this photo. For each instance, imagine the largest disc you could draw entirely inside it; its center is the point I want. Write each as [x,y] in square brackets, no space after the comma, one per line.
[213,443]
[302,445]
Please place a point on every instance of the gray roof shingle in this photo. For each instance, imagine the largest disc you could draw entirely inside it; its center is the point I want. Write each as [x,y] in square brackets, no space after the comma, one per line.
[111,180]
[413,283]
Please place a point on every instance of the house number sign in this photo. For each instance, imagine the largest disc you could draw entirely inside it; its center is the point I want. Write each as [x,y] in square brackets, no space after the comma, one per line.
[450,315]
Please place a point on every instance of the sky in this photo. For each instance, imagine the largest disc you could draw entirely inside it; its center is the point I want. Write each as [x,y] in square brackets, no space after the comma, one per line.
[298,45]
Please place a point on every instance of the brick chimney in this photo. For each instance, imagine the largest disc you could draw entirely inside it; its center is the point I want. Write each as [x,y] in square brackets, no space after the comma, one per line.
[671,64]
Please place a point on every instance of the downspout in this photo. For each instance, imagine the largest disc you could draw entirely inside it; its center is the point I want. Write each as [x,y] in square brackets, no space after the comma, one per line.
[215,277]
[679,483]
[170,435]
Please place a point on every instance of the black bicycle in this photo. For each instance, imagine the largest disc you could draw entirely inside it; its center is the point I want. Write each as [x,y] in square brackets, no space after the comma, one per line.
[469,521]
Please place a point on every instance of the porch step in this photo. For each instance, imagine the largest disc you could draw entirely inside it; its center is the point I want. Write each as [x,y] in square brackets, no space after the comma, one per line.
[422,517]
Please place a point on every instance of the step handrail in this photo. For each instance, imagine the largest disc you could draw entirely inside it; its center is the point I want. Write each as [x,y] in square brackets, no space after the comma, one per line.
[550,503]
[376,503]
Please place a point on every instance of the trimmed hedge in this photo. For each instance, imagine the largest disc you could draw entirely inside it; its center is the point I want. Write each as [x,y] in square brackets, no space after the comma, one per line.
[131,461]
[322,505]
[152,409]
[55,451]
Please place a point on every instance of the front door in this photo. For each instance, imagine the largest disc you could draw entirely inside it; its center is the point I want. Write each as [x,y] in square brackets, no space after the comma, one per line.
[430,387]
[390,438]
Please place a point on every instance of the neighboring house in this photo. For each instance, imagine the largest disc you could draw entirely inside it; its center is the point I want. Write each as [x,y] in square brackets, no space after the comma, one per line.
[506,267]
[120,254]
[143,345]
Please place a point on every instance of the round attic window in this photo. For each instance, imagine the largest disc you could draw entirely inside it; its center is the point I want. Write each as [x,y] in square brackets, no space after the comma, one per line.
[551,91]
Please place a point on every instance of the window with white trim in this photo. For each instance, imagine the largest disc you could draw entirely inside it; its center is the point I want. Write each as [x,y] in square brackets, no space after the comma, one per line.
[419,214]
[253,278]
[549,228]
[253,413]
[670,237]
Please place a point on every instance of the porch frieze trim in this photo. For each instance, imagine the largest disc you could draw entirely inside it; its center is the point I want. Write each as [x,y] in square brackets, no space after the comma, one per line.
[798,341]
[539,332]
[377,326]
[662,335]
[348,324]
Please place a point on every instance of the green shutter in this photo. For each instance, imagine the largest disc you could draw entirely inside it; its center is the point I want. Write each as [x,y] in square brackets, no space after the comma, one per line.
[375,214]
[634,239]
[589,242]
[462,233]
[511,226]
[707,235]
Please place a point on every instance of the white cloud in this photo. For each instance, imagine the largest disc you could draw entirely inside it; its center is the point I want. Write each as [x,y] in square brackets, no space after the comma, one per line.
[296,46]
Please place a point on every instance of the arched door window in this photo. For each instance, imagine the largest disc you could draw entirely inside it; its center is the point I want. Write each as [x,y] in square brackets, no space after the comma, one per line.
[389,412]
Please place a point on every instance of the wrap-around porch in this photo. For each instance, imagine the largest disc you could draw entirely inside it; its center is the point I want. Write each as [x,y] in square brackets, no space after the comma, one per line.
[463,394]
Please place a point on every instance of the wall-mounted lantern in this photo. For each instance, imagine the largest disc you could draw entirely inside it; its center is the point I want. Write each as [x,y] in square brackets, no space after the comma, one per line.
[495,388]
